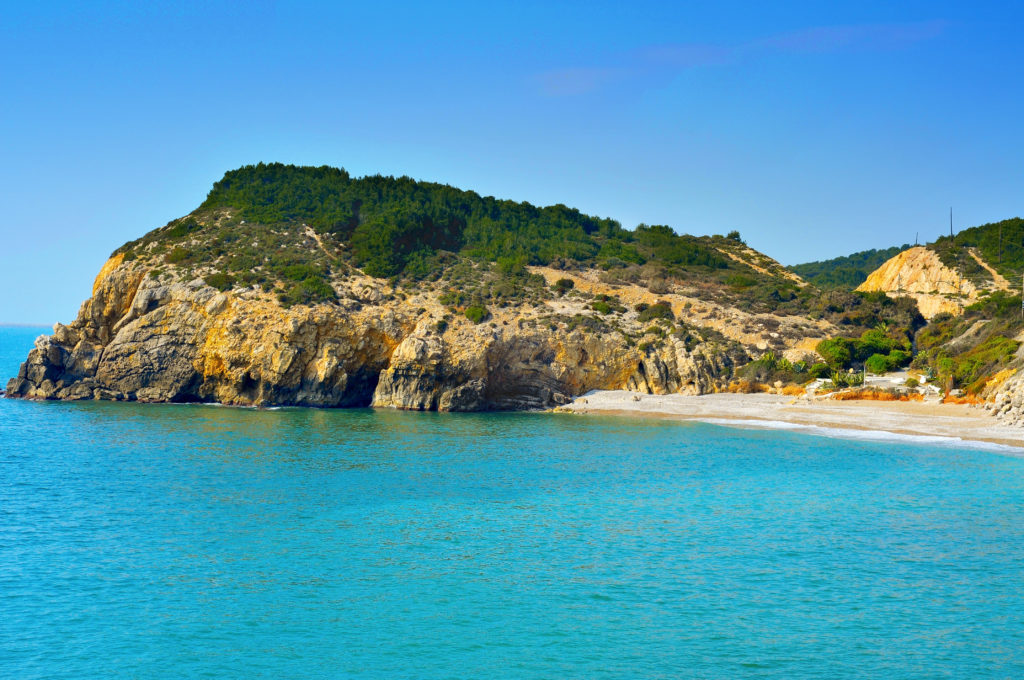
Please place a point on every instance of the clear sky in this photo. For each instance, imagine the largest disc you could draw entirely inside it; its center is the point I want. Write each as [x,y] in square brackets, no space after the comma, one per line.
[816,129]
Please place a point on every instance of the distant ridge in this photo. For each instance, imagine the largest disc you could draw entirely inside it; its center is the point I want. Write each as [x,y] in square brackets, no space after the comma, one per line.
[845,272]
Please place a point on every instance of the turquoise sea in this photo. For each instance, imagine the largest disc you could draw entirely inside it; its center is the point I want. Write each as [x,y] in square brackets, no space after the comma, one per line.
[145,541]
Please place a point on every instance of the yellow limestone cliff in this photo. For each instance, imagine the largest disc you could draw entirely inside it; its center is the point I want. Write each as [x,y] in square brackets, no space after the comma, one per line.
[150,335]
[919,273]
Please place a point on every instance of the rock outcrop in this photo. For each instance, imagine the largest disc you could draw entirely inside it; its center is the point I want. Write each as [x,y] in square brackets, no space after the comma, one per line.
[160,339]
[919,273]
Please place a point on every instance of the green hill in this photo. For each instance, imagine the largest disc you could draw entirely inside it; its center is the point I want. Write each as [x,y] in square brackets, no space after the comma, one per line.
[252,229]
[845,272]
[1000,244]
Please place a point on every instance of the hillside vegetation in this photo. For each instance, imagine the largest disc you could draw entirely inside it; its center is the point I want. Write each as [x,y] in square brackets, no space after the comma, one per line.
[845,272]
[303,233]
[1000,244]
[292,229]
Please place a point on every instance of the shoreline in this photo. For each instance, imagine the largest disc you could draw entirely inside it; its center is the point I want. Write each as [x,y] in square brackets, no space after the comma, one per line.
[953,424]
[929,421]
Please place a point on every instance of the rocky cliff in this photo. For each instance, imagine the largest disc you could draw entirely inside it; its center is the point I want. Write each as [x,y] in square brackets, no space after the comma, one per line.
[306,286]
[159,338]
[919,273]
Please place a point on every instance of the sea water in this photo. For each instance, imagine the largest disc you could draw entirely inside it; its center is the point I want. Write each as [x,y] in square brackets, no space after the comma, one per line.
[163,541]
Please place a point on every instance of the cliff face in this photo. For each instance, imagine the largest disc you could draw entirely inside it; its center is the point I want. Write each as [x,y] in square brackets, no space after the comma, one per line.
[158,339]
[919,273]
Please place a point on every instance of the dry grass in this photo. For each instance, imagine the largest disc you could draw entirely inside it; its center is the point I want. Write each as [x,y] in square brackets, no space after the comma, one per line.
[966,399]
[999,378]
[748,387]
[877,395]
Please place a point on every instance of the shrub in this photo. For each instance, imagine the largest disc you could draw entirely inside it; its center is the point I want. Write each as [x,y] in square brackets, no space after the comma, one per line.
[451,298]
[182,229]
[177,254]
[840,379]
[512,266]
[749,387]
[562,286]
[300,272]
[314,289]
[658,286]
[912,382]
[601,306]
[818,370]
[871,342]
[659,310]
[877,364]
[740,281]
[477,313]
[899,358]
[836,352]
[220,281]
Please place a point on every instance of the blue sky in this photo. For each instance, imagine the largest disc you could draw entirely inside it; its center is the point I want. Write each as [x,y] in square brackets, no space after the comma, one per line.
[816,129]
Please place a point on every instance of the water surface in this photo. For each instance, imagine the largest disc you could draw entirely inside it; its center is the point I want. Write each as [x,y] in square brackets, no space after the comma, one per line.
[186,541]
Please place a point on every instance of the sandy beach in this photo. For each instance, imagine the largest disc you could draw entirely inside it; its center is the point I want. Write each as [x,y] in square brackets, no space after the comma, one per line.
[932,419]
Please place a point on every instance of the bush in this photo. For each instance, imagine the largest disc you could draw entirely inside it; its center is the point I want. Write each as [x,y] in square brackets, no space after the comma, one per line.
[748,387]
[740,281]
[477,313]
[451,298]
[912,383]
[182,229]
[877,364]
[659,310]
[658,286]
[871,342]
[818,370]
[308,291]
[562,286]
[512,266]
[836,352]
[841,379]
[220,281]
[899,358]
[300,272]
[601,306]
[177,254]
